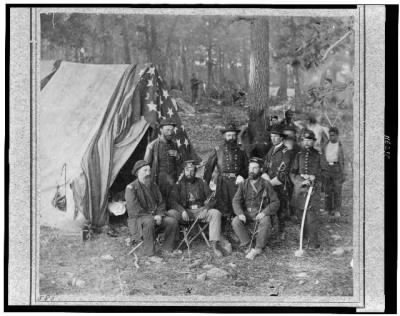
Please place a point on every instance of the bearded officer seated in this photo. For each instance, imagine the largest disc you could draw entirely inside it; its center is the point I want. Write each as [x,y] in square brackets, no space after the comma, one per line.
[192,198]
[255,202]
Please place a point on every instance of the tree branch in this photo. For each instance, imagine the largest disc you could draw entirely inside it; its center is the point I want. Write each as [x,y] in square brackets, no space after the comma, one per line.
[335,44]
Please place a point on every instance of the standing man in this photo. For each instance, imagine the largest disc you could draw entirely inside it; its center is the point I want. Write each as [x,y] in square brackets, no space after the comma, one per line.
[192,198]
[255,202]
[146,211]
[306,171]
[231,163]
[333,172]
[320,132]
[163,156]
[288,120]
[194,84]
[276,170]
[292,131]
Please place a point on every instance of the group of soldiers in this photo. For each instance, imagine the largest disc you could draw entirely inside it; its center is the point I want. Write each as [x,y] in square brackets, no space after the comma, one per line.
[255,196]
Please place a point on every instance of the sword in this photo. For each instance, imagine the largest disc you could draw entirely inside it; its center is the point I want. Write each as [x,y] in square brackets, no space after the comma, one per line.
[299,252]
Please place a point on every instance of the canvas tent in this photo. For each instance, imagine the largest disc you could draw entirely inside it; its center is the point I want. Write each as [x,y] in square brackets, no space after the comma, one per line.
[97,120]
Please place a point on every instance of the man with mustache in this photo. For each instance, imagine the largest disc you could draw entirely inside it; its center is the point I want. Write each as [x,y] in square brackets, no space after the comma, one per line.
[147,212]
[231,162]
[255,201]
[306,171]
[276,170]
[163,156]
[191,198]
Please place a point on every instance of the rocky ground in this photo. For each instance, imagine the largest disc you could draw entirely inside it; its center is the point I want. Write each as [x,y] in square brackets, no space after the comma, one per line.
[103,267]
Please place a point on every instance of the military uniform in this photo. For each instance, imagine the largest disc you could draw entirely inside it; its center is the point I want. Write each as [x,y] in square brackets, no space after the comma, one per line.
[307,166]
[190,196]
[143,203]
[231,161]
[247,201]
[165,168]
[277,164]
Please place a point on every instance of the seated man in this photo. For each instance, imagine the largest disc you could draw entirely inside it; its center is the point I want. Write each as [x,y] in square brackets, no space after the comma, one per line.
[146,210]
[191,198]
[254,201]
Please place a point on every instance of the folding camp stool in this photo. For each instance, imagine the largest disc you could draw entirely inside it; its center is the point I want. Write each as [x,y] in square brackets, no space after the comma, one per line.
[187,230]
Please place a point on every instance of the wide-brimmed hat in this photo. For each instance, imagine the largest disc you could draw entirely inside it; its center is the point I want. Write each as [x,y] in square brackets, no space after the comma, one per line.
[138,165]
[230,127]
[167,121]
[190,163]
[257,160]
[276,129]
[309,135]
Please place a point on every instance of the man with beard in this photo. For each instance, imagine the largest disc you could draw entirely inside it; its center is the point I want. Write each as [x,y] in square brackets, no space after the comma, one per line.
[146,211]
[231,163]
[306,171]
[163,156]
[291,131]
[255,202]
[192,198]
[276,170]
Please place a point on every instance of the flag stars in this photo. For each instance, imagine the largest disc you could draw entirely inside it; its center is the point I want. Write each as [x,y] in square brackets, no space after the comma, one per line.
[175,129]
[152,106]
[183,128]
[178,142]
[150,83]
[147,96]
[186,142]
[166,95]
[152,70]
[170,112]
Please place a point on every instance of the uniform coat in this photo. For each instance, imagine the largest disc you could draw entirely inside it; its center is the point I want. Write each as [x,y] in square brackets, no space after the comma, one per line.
[231,161]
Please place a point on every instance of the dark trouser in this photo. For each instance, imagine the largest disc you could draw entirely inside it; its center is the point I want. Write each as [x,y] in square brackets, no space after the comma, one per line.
[311,223]
[333,189]
[226,189]
[165,183]
[148,227]
[195,93]
[263,230]
[279,218]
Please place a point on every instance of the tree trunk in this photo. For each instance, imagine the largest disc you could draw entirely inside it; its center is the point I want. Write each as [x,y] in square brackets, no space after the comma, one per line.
[185,71]
[209,63]
[125,36]
[169,59]
[283,81]
[245,62]
[297,90]
[259,66]
[105,51]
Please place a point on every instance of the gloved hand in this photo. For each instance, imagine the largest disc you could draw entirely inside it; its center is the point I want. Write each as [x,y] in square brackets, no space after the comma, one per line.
[266,177]
[275,181]
[203,214]
[185,216]
[157,218]
[239,179]
[242,218]
[260,216]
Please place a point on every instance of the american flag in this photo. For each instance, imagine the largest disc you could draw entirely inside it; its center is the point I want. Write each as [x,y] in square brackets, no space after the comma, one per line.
[157,105]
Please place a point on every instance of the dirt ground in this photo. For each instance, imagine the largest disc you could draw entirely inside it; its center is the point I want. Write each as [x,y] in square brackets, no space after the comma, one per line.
[102,266]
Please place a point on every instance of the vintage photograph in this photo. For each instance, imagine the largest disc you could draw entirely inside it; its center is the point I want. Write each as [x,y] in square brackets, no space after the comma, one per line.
[195,155]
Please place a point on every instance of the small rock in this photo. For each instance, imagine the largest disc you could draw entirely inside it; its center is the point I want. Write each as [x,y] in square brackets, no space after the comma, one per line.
[217,273]
[107,258]
[338,251]
[195,263]
[317,282]
[232,265]
[156,259]
[208,266]
[201,277]
[302,275]
[241,283]
[80,283]
[301,282]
